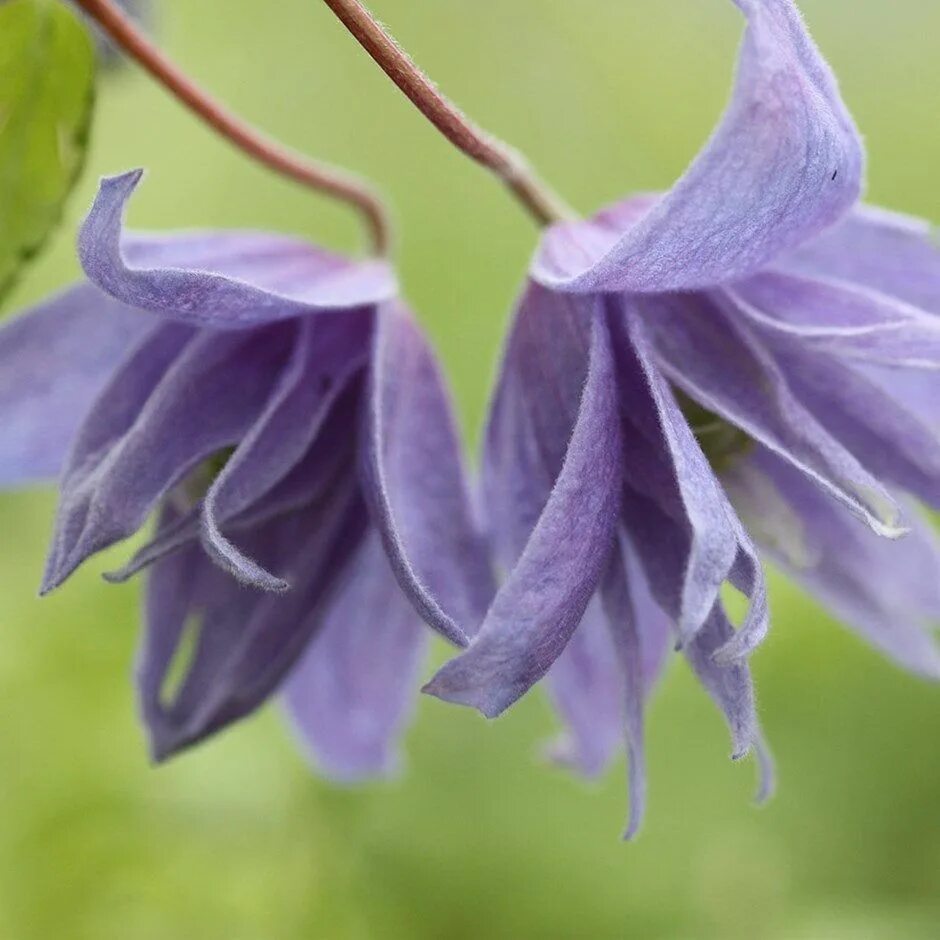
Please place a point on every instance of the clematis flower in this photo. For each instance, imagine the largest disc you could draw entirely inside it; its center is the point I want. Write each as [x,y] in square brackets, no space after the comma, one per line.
[280,412]
[752,345]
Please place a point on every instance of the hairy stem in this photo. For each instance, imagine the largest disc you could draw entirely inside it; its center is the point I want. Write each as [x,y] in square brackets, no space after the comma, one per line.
[317,176]
[537,198]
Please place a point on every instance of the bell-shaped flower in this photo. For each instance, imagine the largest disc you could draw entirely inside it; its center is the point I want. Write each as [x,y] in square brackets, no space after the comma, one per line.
[278,409]
[752,345]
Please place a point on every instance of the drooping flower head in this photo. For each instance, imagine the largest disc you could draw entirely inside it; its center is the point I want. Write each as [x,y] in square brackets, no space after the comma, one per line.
[280,411]
[752,345]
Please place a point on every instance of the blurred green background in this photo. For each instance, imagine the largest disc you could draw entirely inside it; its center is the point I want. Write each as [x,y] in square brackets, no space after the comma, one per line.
[239,841]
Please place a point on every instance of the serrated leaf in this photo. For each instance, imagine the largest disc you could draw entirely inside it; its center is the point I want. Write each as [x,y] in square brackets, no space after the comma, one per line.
[47,67]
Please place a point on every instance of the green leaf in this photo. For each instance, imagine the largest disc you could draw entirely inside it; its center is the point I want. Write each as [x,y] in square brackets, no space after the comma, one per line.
[47,68]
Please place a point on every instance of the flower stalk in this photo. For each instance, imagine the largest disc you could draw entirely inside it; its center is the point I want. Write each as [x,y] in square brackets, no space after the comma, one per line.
[507,164]
[317,176]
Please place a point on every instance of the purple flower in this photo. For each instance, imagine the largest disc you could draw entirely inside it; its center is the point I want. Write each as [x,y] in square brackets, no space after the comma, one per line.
[751,345]
[280,410]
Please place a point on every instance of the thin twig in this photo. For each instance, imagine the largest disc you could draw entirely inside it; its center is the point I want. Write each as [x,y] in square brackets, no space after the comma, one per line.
[317,176]
[540,201]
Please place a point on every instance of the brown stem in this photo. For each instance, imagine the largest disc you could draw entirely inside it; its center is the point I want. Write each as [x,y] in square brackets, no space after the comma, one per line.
[324,179]
[543,204]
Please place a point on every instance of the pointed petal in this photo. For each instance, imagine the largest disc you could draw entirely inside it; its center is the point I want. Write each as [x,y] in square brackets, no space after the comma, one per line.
[413,477]
[586,685]
[354,689]
[328,353]
[662,547]
[890,253]
[533,413]
[546,594]
[840,318]
[667,463]
[148,429]
[720,364]
[221,281]
[640,633]
[892,441]
[889,592]
[248,640]
[785,162]
[54,360]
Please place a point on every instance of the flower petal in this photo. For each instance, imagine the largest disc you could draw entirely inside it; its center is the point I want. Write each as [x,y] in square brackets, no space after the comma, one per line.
[413,477]
[889,592]
[892,254]
[667,464]
[354,688]
[179,400]
[785,162]
[327,354]
[532,415]
[54,359]
[640,633]
[248,640]
[586,685]
[547,592]
[840,318]
[222,281]
[663,547]
[891,440]
[719,363]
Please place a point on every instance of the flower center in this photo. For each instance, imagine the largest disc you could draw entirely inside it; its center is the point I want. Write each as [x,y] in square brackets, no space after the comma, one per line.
[722,443]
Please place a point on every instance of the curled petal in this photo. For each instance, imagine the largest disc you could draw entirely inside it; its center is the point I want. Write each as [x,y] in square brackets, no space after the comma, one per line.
[352,692]
[414,481]
[785,162]
[546,594]
[327,355]
[54,360]
[221,281]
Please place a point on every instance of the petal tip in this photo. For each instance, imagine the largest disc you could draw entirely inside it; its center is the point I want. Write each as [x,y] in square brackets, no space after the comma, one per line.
[442,688]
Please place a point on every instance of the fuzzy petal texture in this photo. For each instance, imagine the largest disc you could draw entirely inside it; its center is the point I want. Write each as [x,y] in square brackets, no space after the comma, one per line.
[662,547]
[546,594]
[246,641]
[587,688]
[666,462]
[54,360]
[785,162]
[414,482]
[893,254]
[889,592]
[721,365]
[330,353]
[353,691]
[841,318]
[181,399]
[220,281]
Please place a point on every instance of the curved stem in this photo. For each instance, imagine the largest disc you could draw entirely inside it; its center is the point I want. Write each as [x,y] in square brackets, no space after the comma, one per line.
[540,201]
[319,177]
